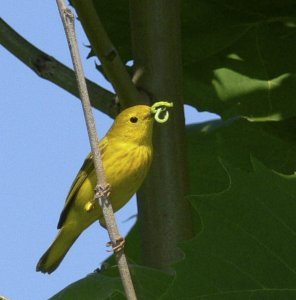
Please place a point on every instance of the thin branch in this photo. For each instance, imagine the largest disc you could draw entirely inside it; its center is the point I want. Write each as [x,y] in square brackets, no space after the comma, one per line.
[51,69]
[108,55]
[102,186]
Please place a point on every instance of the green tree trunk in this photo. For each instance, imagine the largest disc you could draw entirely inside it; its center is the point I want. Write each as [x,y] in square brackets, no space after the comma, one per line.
[164,213]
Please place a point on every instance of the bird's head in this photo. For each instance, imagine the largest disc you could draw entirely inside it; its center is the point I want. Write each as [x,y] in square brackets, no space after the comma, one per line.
[134,124]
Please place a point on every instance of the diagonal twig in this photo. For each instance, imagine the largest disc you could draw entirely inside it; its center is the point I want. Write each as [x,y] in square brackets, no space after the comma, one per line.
[102,186]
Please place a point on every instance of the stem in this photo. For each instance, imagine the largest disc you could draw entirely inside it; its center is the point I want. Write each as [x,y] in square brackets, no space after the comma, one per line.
[107,54]
[51,69]
[164,213]
[102,186]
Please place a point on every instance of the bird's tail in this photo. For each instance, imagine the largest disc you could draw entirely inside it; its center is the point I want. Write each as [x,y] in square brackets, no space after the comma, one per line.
[54,255]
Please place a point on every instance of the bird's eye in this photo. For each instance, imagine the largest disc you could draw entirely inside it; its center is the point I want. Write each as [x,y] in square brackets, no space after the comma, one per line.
[134,119]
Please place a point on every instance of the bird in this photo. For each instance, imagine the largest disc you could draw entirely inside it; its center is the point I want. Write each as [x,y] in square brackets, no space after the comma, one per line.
[126,152]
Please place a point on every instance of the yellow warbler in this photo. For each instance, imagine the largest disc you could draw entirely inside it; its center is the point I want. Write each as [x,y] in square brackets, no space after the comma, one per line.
[126,154]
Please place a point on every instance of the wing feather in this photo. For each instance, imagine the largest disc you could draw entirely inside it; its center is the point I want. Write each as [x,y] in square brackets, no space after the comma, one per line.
[83,173]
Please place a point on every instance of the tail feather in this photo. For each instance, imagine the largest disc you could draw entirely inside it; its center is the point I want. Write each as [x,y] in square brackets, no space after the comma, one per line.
[54,255]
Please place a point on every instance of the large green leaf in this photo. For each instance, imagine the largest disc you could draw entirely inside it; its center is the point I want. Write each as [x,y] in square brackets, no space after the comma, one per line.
[236,140]
[246,245]
[94,286]
[106,283]
[245,218]
[238,56]
[115,17]
[149,284]
[254,77]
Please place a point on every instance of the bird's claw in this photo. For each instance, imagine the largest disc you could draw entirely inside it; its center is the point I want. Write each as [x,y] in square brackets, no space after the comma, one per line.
[120,241]
[103,191]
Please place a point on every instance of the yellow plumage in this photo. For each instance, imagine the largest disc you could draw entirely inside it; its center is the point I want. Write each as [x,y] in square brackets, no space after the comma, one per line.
[126,154]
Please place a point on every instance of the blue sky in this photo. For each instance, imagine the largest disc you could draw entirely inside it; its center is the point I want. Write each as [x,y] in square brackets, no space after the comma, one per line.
[43,142]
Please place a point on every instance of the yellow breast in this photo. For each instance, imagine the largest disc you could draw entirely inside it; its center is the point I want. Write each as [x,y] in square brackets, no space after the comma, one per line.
[125,169]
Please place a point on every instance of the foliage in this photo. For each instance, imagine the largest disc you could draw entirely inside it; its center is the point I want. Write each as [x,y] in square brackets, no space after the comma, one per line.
[239,61]
[149,283]
[238,56]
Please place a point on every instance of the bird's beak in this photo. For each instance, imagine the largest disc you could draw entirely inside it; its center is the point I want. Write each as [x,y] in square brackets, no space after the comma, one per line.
[148,116]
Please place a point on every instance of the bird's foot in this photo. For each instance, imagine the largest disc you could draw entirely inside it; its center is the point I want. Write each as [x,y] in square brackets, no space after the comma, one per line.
[102,191]
[119,245]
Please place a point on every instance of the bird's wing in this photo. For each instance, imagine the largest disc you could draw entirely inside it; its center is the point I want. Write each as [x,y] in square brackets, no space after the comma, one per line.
[83,173]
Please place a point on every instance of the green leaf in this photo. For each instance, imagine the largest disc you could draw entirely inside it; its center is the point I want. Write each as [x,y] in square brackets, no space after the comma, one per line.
[94,286]
[254,77]
[205,171]
[106,284]
[149,284]
[246,246]
[245,212]
[238,56]
[236,140]
[115,18]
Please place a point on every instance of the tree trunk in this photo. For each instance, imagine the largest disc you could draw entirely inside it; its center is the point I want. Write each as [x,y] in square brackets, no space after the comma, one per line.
[164,213]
